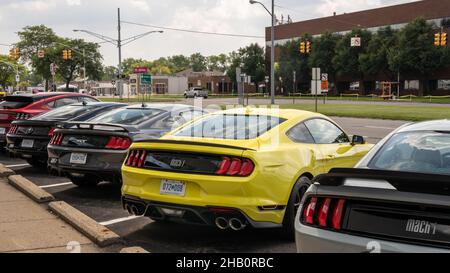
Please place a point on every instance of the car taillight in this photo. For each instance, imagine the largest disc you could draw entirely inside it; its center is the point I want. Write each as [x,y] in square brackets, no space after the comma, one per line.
[118,143]
[329,216]
[56,139]
[22,116]
[50,133]
[235,167]
[13,129]
[136,158]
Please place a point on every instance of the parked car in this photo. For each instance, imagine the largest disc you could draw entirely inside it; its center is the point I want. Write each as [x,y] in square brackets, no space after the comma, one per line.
[196,92]
[89,153]
[29,105]
[396,200]
[29,139]
[235,168]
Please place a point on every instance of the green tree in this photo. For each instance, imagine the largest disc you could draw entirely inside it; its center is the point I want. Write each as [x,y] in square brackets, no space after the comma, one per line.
[323,53]
[179,63]
[198,62]
[109,73]
[217,62]
[416,52]
[8,70]
[375,60]
[253,60]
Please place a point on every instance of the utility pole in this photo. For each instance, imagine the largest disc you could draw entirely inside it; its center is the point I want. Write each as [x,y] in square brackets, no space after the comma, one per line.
[119,46]
[272,56]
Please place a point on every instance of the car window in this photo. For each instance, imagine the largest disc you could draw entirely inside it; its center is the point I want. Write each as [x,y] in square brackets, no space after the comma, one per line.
[300,134]
[15,102]
[420,152]
[325,132]
[65,101]
[65,112]
[225,126]
[129,116]
[51,104]
[190,115]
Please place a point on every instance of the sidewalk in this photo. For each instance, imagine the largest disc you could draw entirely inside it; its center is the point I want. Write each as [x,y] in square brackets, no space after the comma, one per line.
[28,227]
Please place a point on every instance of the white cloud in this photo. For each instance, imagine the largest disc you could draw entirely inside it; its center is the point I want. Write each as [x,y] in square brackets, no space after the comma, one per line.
[73,2]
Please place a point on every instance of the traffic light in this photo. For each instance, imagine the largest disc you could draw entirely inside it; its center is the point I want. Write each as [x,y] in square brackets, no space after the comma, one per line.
[437,39]
[14,53]
[444,39]
[67,54]
[302,47]
[308,47]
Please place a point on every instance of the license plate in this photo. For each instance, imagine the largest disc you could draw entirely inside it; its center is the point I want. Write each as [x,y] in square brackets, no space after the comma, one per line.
[76,158]
[171,187]
[2,131]
[27,143]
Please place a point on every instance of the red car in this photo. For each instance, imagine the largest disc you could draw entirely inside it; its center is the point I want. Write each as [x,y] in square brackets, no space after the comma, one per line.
[30,105]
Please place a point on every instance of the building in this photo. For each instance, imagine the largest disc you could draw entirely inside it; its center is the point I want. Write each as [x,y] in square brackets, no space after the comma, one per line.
[216,82]
[398,16]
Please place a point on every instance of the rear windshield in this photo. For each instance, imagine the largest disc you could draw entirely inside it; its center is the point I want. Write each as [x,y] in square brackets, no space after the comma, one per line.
[15,102]
[231,127]
[127,116]
[419,152]
[66,112]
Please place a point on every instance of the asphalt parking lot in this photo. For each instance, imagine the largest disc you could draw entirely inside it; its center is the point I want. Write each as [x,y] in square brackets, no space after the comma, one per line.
[103,204]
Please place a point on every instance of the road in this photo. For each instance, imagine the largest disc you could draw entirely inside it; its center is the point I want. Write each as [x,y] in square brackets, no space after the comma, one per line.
[103,204]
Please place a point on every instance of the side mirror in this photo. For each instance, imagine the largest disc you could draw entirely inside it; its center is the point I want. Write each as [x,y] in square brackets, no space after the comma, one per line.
[358,140]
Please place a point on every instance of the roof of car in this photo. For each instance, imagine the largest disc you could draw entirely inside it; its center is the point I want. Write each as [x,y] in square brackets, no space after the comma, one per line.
[48,94]
[434,125]
[282,113]
[94,103]
[166,107]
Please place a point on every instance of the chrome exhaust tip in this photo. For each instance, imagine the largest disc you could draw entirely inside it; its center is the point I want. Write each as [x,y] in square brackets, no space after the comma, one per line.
[236,224]
[222,223]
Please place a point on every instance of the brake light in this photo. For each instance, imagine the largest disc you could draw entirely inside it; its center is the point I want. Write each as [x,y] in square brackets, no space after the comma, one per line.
[13,129]
[56,139]
[331,211]
[22,116]
[136,158]
[118,143]
[50,133]
[235,167]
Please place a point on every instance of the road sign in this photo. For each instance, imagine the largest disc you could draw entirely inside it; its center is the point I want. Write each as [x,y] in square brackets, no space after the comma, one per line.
[41,54]
[324,77]
[53,68]
[316,74]
[355,42]
[146,79]
[17,78]
[113,82]
[140,70]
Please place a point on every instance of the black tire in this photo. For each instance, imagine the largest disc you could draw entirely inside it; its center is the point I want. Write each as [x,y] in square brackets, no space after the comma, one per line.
[37,163]
[297,194]
[85,181]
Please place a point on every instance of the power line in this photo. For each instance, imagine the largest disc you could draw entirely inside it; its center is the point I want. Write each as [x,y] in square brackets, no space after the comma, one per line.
[195,31]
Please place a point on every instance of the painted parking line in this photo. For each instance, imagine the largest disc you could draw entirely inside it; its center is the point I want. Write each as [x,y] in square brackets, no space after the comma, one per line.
[120,220]
[56,185]
[17,165]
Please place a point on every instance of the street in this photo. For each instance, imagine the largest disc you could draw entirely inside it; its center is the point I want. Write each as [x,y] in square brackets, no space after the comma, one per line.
[103,204]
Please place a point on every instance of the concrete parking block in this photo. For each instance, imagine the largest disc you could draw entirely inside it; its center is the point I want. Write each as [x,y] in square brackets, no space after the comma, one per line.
[5,172]
[134,250]
[101,235]
[30,189]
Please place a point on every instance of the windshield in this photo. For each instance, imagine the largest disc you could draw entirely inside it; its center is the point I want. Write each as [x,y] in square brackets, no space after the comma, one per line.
[15,102]
[66,112]
[231,127]
[127,116]
[419,152]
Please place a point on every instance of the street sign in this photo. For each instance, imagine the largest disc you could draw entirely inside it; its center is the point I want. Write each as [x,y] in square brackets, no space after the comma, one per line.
[113,82]
[17,78]
[355,42]
[146,79]
[53,68]
[324,77]
[316,74]
[140,70]
[41,54]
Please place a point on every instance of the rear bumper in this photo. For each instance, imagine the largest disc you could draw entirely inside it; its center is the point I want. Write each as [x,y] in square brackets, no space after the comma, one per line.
[105,164]
[39,150]
[314,240]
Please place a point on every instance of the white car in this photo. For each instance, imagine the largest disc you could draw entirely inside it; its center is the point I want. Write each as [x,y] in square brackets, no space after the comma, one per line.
[196,92]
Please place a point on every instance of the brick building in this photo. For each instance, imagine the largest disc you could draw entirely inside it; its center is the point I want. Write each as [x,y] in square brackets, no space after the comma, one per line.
[398,16]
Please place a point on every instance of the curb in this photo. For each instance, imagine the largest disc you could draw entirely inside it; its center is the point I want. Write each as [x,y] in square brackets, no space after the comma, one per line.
[134,250]
[101,235]
[30,189]
[5,172]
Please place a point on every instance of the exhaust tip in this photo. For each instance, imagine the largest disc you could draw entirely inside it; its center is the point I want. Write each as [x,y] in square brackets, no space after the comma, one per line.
[236,224]
[222,223]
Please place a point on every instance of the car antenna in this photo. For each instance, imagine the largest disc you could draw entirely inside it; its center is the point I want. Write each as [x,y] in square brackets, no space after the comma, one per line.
[84,103]
[144,104]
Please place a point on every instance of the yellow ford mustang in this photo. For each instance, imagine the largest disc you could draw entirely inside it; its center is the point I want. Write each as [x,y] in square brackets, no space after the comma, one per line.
[235,168]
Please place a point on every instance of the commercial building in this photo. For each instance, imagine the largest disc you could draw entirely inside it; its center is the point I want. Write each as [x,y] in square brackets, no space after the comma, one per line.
[398,16]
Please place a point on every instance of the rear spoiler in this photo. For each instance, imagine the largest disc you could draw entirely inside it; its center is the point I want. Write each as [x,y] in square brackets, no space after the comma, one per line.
[95,126]
[402,181]
[182,142]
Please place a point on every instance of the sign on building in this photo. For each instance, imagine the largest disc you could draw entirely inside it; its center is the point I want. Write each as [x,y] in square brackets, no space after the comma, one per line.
[140,70]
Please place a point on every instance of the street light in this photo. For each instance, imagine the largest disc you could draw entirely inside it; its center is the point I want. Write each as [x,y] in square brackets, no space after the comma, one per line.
[272,49]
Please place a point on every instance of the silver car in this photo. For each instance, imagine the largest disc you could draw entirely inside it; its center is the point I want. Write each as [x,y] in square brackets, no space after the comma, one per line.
[397,199]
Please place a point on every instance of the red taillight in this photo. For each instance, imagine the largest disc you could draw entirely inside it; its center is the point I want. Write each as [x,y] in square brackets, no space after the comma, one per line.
[50,133]
[56,139]
[323,212]
[331,211]
[136,158]
[118,143]
[12,130]
[310,211]
[142,159]
[235,167]
[337,214]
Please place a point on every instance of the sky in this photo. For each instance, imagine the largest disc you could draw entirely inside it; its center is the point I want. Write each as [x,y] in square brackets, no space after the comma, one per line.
[225,16]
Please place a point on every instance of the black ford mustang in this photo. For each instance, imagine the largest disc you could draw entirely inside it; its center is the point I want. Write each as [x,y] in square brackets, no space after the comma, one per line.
[88,153]
[28,139]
